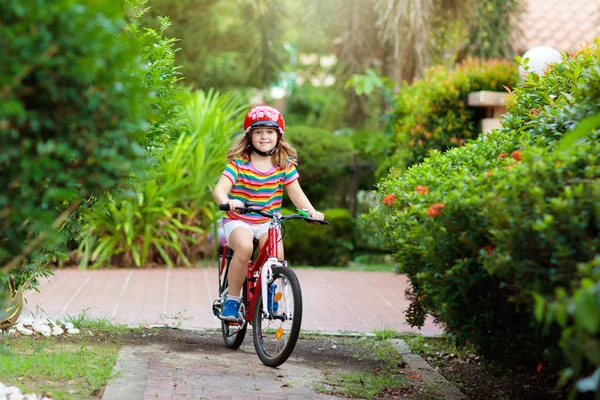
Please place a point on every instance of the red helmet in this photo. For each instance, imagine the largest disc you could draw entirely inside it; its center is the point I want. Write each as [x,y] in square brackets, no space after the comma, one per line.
[264,116]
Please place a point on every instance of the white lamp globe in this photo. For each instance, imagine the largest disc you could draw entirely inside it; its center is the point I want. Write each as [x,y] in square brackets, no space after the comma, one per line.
[539,58]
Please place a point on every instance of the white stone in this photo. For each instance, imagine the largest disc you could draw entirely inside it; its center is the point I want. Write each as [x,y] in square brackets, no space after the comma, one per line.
[39,328]
[30,397]
[16,396]
[72,331]
[25,321]
[24,331]
[69,325]
[57,330]
[12,390]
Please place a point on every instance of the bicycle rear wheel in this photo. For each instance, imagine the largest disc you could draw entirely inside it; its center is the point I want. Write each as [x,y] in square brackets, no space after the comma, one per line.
[275,335]
[233,335]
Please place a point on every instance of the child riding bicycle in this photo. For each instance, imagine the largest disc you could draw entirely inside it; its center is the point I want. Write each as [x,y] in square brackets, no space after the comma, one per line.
[260,164]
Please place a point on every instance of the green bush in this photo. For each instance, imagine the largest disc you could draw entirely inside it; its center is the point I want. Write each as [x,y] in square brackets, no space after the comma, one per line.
[479,228]
[167,218]
[157,52]
[323,163]
[320,244]
[577,312]
[433,114]
[320,107]
[73,102]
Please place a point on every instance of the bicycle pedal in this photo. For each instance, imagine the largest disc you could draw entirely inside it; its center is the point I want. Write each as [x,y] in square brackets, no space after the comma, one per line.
[231,323]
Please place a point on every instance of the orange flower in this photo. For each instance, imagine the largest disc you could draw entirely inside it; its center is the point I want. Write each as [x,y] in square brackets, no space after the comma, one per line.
[540,367]
[422,190]
[427,135]
[516,155]
[534,111]
[489,173]
[453,140]
[389,199]
[435,209]
[461,142]
[502,155]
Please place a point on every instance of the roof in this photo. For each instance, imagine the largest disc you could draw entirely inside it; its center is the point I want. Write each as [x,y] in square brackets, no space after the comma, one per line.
[562,24]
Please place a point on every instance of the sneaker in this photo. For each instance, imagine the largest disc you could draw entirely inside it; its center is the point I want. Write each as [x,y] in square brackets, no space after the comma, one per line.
[230,310]
[272,307]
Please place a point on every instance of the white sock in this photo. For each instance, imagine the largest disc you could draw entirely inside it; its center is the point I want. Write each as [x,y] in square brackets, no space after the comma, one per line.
[236,298]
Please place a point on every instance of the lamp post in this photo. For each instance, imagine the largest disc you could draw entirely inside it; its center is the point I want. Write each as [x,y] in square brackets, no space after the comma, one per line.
[539,58]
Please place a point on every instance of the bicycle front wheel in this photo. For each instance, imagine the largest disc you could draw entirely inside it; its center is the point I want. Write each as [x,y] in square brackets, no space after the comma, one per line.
[276,334]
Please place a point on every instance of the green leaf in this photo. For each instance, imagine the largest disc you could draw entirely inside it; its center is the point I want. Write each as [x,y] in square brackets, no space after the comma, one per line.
[583,129]
[587,312]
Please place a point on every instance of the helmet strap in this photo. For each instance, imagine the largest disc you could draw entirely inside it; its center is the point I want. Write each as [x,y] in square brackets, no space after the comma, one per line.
[263,153]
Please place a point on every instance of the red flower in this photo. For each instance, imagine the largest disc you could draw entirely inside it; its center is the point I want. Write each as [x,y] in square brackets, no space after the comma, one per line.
[389,199]
[502,155]
[540,367]
[435,210]
[516,155]
[422,190]
[489,249]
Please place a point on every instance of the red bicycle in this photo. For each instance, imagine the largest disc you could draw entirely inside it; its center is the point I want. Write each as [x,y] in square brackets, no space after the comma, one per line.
[271,295]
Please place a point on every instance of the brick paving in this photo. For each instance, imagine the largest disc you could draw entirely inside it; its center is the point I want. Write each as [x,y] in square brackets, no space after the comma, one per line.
[334,300]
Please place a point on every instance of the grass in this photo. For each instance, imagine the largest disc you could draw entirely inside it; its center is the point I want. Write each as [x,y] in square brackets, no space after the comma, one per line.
[59,368]
[66,366]
[427,346]
[384,381]
[385,333]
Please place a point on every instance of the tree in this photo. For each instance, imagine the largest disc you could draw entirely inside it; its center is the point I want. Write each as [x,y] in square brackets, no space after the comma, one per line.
[226,44]
[73,105]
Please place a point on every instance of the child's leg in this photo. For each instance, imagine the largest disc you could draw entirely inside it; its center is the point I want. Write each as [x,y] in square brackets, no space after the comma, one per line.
[263,239]
[240,240]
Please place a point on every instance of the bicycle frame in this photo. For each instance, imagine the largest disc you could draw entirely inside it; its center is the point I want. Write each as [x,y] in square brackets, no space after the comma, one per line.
[267,257]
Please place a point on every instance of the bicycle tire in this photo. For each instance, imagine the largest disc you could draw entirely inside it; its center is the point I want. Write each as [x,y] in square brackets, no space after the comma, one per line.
[274,348]
[235,340]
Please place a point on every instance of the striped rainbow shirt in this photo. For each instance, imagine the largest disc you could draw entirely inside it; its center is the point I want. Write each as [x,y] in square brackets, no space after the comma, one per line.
[264,188]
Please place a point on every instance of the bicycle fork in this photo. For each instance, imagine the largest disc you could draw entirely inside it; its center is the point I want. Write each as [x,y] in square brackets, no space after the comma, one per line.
[266,278]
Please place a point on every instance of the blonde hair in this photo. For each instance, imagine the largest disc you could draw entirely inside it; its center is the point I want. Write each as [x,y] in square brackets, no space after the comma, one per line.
[284,154]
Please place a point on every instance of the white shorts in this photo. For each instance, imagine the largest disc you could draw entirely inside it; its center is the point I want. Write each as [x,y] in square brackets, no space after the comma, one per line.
[257,229]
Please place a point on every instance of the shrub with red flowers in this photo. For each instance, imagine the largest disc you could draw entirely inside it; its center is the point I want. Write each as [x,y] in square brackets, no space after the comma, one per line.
[389,199]
[505,233]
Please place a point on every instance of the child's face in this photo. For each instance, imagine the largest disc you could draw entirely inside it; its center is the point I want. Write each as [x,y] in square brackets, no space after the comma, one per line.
[264,139]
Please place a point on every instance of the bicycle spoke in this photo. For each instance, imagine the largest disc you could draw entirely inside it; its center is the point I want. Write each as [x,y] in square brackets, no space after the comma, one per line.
[277,333]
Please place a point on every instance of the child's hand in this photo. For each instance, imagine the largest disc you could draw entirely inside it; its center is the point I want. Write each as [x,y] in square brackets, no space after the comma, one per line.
[235,206]
[314,214]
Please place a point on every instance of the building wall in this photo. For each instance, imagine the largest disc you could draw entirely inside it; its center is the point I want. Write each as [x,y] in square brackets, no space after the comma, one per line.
[562,24]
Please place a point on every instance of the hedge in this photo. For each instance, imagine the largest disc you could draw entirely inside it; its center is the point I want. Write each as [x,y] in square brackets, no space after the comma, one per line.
[320,245]
[73,100]
[432,113]
[480,228]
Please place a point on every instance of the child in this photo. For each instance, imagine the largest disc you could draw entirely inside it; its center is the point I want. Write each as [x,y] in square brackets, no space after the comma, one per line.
[260,164]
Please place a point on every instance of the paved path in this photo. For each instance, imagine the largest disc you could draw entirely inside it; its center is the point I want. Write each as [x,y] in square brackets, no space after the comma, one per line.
[334,300]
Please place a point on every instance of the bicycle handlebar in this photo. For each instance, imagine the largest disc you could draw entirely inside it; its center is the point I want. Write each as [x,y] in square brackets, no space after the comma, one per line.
[257,208]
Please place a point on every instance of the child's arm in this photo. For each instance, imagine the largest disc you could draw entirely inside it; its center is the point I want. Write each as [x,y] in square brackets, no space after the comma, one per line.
[301,201]
[221,191]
